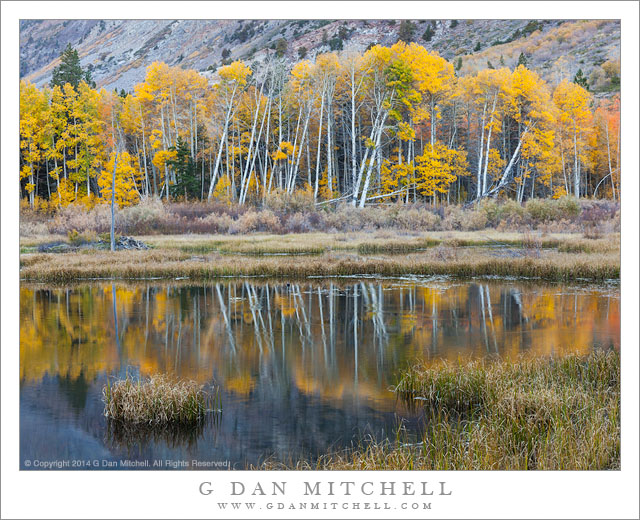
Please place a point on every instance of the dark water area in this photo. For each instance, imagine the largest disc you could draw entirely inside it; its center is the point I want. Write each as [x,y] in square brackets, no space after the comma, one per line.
[303,368]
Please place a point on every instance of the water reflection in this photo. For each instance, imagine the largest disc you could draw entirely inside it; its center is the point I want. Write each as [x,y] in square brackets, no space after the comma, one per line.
[302,367]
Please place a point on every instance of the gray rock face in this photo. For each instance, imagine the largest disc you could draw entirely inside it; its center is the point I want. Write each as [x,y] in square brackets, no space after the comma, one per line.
[118,51]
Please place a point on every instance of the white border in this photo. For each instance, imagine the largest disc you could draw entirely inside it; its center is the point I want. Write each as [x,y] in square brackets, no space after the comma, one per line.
[175,495]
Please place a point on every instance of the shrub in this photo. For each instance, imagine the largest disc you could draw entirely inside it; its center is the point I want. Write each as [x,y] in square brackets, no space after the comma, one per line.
[541,210]
[31,228]
[418,219]
[545,210]
[214,223]
[297,223]
[252,221]
[457,218]
[86,237]
[595,211]
[144,218]
[283,202]
[344,218]
[510,213]
[568,207]
[77,217]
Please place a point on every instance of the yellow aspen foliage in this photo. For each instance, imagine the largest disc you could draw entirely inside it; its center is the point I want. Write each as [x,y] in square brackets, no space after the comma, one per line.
[161,158]
[438,167]
[126,177]
[236,73]
[285,150]
[324,192]
[221,190]
[395,176]
[66,193]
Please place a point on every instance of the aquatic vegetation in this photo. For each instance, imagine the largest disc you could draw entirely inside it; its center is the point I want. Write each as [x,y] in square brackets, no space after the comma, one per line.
[529,413]
[157,401]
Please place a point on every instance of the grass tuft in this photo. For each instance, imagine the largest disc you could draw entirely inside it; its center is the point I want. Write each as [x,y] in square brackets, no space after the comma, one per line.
[157,401]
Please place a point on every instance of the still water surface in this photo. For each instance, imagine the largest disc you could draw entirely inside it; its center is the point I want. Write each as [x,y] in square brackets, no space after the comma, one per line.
[303,368]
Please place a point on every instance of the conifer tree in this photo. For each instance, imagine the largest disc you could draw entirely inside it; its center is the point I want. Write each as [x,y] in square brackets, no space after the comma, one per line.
[187,184]
[522,59]
[70,70]
[580,79]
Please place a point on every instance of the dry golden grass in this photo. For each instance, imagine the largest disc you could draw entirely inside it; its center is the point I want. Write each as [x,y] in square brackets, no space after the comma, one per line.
[379,240]
[441,260]
[157,401]
[539,413]
[552,257]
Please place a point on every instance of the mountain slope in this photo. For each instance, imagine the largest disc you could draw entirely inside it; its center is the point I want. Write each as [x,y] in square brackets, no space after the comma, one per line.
[118,51]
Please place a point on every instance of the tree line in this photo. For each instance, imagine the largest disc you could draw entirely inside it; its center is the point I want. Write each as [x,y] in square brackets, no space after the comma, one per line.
[389,124]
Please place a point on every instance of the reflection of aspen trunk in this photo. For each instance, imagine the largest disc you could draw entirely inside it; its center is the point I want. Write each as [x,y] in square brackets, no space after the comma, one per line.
[324,338]
[332,336]
[115,322]
[493,329]
[271,338]
[484,319]
[225,317]
[355,334]
[113,201]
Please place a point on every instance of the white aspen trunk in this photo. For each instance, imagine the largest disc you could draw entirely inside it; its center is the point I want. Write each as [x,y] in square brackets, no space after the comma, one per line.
[356,188]
[564,168]
[486,162]
[479,191]
[251,164]
[505,175]
[222,141]
[329,149]
[289,169]
[294,173]
[353,134]
[265,166]
[246,175]
[576,171]
[144,152]
[365,188]
[315,188]
[433,123]
[113,201]
[613,187]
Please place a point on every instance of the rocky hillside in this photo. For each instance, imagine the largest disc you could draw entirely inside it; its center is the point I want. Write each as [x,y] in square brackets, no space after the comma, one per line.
[118,51]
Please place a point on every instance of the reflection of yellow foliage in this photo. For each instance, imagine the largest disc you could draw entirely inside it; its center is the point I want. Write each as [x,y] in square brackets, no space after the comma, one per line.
[240,385]
[167,330]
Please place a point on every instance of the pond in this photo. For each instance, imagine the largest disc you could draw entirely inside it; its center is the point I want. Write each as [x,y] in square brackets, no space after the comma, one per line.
[303,368]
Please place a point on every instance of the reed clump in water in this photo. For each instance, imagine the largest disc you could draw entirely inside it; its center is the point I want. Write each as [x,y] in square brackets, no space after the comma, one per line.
[158,401]
[530,413]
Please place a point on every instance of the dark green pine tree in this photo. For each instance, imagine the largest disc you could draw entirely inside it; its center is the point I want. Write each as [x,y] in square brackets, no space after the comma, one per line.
[428,34]
[187,184]
[406,31]
[501,60]
[580,79]
[522,59]
[70,70]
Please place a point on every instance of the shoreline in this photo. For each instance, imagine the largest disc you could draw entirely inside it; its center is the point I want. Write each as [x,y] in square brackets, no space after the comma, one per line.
[211,257]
